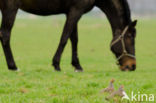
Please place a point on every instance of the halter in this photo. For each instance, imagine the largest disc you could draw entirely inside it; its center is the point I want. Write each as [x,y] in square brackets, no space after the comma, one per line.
[121,38]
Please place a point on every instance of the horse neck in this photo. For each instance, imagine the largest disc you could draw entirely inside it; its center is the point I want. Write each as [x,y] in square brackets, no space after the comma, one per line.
[117,12]
[118,24]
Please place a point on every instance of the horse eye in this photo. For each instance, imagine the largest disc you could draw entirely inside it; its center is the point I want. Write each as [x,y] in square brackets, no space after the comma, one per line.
[134,35]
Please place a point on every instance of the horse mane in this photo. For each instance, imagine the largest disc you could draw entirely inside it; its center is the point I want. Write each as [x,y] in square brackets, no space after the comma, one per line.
[126,10]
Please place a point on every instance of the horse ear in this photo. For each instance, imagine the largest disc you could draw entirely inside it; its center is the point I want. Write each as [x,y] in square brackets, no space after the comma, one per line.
[134,23]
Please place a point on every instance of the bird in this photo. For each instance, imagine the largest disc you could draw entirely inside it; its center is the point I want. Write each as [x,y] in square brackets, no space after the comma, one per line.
[110,88]
[120,93]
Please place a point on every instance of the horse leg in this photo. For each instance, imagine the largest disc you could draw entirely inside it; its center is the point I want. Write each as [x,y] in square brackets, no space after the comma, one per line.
[72,18]
[74,41]
[8,18]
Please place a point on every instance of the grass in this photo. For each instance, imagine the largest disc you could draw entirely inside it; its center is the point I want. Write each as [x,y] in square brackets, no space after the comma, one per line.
[34,42]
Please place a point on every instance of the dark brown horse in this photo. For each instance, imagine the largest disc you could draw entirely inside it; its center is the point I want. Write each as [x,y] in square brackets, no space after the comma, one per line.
[117,11]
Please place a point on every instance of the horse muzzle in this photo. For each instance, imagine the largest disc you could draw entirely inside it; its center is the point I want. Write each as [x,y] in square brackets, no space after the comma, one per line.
[128,64]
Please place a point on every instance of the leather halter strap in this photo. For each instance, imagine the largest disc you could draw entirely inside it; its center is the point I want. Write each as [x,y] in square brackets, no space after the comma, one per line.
[121,38]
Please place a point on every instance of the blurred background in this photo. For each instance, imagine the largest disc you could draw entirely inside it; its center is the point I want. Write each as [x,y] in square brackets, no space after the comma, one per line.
[143,7]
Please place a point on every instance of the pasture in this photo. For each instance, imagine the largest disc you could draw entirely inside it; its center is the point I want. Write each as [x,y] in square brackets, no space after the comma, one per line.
[34,42]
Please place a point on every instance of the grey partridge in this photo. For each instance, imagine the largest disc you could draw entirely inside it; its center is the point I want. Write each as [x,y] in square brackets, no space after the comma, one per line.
[120,93]
[110,88]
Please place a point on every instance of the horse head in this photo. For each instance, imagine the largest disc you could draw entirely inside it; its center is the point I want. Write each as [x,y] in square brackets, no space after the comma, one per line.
[123,46]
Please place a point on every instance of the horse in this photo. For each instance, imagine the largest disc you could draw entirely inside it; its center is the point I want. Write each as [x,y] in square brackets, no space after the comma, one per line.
[117,12]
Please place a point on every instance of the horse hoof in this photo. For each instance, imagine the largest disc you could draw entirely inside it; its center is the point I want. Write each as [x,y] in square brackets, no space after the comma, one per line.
[15,70]
[76,70]
[57,69]
[18,70]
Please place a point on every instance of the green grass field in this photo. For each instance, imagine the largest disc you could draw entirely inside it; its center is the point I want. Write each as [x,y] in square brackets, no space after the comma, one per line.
[34,42]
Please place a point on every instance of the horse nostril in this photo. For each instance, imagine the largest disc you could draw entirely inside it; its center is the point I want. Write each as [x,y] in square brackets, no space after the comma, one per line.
[127,67]
[133,67]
